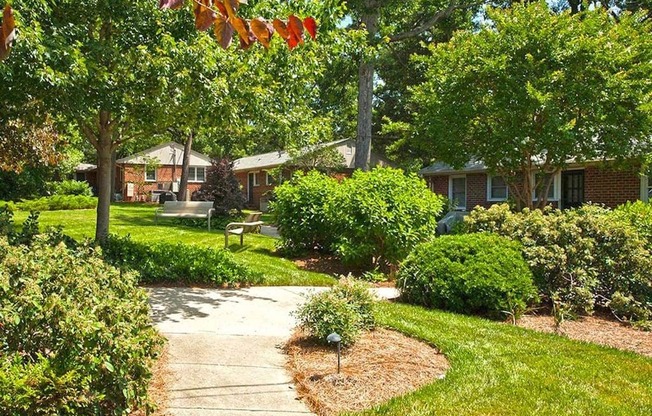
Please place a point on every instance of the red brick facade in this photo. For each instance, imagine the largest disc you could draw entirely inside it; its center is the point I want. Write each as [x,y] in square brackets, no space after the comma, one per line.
[143,188]
[255,193]
[606,186]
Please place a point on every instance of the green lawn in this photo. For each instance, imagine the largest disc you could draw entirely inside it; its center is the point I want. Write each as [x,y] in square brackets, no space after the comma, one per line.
[138,220]
[499,369]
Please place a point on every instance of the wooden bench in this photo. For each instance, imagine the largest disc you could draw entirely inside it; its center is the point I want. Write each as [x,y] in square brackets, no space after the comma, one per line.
[186,209]
[251,224]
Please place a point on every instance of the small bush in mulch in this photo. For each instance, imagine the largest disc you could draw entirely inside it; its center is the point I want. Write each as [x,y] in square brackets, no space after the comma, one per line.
[381,365]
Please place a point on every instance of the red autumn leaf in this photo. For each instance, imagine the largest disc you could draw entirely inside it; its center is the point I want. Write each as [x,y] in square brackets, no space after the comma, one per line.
[281,28]
[295,28]
[251,39]
[262,30]
[204,16]
[221,8]
[170,4]
[242,27]
[7,32]
[231,6]
[311,26]
[223,32]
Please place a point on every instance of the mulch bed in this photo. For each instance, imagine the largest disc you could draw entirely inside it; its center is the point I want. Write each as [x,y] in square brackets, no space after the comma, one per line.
[322,263]
[596,329]
[157,387]
[381,365]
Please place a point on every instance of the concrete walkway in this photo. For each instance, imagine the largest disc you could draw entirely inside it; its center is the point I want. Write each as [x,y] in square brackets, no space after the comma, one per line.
[224,356]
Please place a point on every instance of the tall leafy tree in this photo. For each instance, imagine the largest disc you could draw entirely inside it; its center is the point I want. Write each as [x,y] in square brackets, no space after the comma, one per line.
[534,90]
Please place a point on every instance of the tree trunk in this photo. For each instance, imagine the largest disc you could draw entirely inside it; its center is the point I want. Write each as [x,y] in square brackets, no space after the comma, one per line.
[183,186]
[104,149]
[366,90]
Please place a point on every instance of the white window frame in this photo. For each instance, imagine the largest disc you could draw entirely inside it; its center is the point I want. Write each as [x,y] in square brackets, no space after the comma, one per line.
[256,179]
[192,177]
[556,185]
[450,191]
[268,179]
[646,185]
[155,175]
[490,198]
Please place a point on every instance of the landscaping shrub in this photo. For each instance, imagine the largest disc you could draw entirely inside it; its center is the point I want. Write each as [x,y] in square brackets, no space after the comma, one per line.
[347,308]
[579,257]
[639,215]
[300,209]
[75,338]
[172,263]
[473,273]
[222,188]
[70,187]
[379,216]
[27,232]
[56,202]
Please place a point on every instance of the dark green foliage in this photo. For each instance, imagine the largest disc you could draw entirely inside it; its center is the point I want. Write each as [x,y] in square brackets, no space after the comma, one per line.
[379,216]
[639,215]
[70,187]
[76,336]
[474,273]
[579,257]
[175,263]
[30,183]
[300,209]
[27,232]
[222,188]
[347,308]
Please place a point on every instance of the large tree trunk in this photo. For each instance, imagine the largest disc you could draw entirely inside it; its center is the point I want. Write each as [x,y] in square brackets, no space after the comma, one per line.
[183,186]
[366,90]
[104,147]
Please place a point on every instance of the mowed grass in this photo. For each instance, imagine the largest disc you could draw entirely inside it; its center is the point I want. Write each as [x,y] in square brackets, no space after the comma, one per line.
[258,251]
[499,369]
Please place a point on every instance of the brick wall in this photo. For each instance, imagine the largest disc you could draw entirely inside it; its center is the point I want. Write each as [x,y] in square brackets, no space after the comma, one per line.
[610,187]
[476,191]
[143,190]
[258,191]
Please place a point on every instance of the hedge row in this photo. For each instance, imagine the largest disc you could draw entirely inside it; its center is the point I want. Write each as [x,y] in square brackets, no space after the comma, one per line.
[53,203]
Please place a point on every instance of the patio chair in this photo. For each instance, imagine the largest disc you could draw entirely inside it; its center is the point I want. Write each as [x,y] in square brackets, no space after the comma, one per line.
[251,224]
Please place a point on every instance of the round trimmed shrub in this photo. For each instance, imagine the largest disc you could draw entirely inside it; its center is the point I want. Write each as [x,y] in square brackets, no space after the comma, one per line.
[299,207]
[347,308]
[380,215]
[473,273]
[75,333]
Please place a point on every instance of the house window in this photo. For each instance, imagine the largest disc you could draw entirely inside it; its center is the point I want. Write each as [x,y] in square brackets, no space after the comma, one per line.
[269,179]
[457,192]
[540,180]
[497,189]
[196,174]
[256,179]
[150,174]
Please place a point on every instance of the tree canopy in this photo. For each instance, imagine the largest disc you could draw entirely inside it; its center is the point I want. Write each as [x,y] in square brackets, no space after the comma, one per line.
[534,90]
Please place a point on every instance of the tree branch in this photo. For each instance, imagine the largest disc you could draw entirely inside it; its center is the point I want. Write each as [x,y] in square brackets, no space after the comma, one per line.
[90,135]
[441,14]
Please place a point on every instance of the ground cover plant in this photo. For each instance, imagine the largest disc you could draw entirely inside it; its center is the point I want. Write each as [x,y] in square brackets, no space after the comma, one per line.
[162,262]
[501,369]
[580,258]
[137,220]
[70,187]
[53,203]
[76,336]
[473,273]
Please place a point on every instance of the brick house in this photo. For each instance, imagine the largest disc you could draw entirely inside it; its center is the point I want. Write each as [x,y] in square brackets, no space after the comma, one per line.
[147,174]
[253,172]
[577,184]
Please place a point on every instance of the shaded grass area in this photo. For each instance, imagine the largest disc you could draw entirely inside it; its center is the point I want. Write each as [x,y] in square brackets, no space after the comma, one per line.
[499,369]
[258,251]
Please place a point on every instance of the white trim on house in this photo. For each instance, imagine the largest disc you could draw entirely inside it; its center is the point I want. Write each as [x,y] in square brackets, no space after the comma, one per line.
[490,198]
[192,174]
[268,179]
[256,179]
[556,185]
[646,187]
[460,206]
[149,170]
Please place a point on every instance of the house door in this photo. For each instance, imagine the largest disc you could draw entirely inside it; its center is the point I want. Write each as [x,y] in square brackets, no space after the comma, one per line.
[572,188]
[250,188]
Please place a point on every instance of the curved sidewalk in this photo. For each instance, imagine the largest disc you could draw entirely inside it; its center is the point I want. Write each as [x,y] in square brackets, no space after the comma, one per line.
[224,355]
